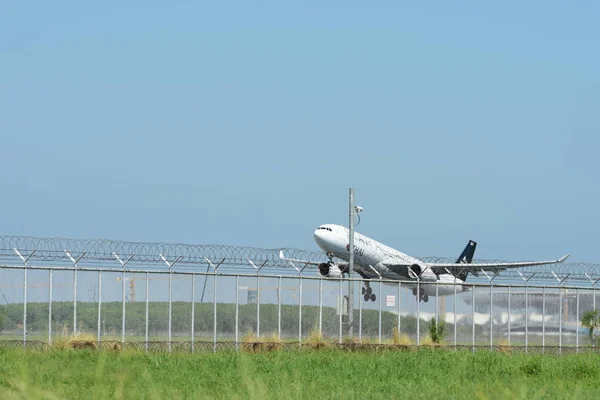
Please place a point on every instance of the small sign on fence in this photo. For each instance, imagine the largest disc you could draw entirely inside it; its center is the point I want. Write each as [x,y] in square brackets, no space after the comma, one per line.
[390,300]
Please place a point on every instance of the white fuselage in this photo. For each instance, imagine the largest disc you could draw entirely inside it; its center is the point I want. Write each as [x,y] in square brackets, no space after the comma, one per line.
[371,259]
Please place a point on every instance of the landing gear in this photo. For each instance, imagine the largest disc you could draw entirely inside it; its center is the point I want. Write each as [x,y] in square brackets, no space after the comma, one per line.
[422,295]
[371,297]
[367,292]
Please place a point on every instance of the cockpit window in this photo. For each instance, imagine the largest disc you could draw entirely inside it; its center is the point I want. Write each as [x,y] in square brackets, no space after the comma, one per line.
[325,228]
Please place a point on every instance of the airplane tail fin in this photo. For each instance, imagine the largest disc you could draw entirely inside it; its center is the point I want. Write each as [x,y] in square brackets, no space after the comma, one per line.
[466,257]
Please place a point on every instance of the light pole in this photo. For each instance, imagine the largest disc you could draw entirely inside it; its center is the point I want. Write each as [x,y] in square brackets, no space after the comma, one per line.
[352,211]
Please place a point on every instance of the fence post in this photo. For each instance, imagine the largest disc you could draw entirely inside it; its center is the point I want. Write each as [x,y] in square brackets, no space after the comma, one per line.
[341,307]
[418,298]
[279,310]
[194,308]
[560,316]
[321,307]
[237,313]
[437,304]
[215,268]
[147,286]
[593,299]
[215,312]
[577,321]
[360,303]
[300,309]
[257,294]
[544,319]
[527,308]
[75,302]
[526,318]
[454,304]
[300,303]
[123,263]
[399,318]
[594,293]
[491,279]
[50,307]
[454,311]
[473,315]
[170,265]
[257,305]
[25,306]
[74,261]
[170,333]
[379,276]
[99,307]
[24,259]
[123,308]
[380,285]
[509,316]
[491,316]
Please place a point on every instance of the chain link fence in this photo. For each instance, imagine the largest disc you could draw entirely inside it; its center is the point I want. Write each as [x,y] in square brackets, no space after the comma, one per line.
[193,311]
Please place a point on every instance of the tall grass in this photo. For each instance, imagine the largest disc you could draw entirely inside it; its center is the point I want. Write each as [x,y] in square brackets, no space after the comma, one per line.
[327,373]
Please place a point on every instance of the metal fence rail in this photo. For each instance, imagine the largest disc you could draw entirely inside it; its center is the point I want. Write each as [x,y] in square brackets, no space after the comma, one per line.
[176,310]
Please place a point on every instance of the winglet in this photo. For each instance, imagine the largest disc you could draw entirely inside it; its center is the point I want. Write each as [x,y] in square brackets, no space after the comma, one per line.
[563,258]
[282,257]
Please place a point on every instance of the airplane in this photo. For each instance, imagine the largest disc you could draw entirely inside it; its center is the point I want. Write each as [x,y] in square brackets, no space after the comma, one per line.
[375,260]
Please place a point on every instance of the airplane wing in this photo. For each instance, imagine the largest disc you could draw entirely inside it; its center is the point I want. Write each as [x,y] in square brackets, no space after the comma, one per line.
[495,266]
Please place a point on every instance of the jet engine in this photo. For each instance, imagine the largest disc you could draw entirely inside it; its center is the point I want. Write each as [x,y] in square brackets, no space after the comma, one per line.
[422,272]
[332,270]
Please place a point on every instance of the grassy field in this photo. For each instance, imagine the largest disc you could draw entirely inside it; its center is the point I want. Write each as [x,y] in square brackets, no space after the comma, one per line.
[330,374]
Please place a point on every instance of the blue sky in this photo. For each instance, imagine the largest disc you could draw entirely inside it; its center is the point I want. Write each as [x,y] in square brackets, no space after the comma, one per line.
[245,123]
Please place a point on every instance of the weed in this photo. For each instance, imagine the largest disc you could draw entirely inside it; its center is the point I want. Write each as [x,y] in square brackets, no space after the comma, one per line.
[80,341]
[504,346]
[316,340]
[436,330]
[400,338]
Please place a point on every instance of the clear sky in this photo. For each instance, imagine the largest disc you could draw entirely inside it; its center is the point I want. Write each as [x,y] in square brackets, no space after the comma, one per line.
[245,123]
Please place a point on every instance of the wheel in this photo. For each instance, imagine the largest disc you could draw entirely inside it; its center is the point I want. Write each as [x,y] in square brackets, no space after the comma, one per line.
[364,290]
[373,297]
[414,291]
[366,297]
[369,290]
[425,298]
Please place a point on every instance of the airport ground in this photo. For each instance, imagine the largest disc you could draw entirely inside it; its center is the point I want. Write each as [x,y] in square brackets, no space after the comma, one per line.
[332,374]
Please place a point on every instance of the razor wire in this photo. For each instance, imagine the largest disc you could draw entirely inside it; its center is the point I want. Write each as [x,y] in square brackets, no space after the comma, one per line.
[101,250]
[160,254]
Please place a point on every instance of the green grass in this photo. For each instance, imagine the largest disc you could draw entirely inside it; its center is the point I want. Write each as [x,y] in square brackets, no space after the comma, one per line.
[329,374]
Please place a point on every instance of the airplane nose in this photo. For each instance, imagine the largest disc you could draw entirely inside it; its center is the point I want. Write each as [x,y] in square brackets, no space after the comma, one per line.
[319,236]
